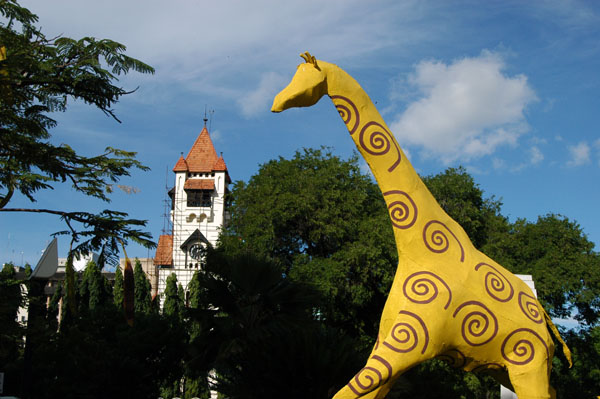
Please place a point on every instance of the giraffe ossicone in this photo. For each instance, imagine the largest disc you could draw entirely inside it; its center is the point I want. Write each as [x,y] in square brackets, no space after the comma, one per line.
[448,299]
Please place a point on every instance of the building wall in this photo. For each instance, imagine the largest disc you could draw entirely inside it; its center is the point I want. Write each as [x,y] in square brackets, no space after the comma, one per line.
[186,220]
[208,220]
[78,264]
[148,267]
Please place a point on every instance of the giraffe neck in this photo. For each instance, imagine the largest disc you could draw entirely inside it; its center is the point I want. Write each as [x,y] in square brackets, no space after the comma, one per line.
[410,204]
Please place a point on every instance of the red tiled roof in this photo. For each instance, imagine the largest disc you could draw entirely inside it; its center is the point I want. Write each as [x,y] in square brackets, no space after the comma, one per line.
[181,165]
[164,251]
[219,165]
[202,157]
[199,184]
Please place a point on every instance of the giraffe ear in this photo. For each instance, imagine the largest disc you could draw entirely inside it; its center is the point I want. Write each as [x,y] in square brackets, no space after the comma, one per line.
[314,62]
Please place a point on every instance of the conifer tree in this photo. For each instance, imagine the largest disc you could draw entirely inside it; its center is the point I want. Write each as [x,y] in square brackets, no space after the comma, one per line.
[171,306]
[82,291]
[107,296]
[181,295]
[195,291]
[118,288]
[10,299]
[91,288]
[142,289]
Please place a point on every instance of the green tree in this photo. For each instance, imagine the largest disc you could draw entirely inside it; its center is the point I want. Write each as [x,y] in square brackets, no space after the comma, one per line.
[305,205]
[99,355]
[38,76]
[11,298]
[142,289]
[181,294]
[172,305]
[118,294]
[196,291]
[91,293]
[583,379]
[322,222]
[562,261]
[258,331]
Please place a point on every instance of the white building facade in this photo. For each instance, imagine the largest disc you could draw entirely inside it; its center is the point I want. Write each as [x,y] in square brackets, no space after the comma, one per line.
[198,212]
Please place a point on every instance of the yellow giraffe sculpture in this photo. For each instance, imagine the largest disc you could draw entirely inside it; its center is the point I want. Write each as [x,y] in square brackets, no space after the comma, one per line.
[448,300]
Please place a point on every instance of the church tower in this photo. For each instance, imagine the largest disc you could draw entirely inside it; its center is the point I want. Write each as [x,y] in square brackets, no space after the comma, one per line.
[198,212]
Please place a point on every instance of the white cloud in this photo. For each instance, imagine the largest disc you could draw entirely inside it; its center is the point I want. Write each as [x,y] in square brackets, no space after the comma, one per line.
[191,38]
[221,49]
[580,154]
[536,155]
[468,108]
[259,100]
[498,163]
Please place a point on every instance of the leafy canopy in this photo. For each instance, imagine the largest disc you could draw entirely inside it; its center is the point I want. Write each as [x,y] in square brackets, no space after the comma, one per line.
[323,222]
[38,76]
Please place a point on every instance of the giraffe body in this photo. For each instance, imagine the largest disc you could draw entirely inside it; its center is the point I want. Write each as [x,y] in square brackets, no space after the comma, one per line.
[448,300]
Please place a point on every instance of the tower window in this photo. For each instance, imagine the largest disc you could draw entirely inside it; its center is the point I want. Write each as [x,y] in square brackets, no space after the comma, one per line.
[199,198]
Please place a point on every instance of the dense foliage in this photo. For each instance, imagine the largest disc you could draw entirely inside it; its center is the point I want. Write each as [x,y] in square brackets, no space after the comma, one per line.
[10,301]
[142,289]
[323,222]
[256,331]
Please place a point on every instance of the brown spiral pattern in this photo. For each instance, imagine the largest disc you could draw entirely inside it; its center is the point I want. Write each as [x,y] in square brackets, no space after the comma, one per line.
[348,112]
[454,358]
[403,211]
[437,240]
[424,288]
[370,377]
[376,140]
[403,336]
[479,326]
[530,308]
[518,348]
[496,284]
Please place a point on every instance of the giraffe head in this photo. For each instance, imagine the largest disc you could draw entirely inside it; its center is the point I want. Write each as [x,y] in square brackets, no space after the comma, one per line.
[307,87]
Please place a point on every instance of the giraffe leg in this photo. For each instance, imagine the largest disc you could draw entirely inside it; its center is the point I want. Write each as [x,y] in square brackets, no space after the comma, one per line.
[406,345]
[533,384]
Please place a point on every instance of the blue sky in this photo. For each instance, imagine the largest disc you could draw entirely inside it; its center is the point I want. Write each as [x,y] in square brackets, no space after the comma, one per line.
[508,89]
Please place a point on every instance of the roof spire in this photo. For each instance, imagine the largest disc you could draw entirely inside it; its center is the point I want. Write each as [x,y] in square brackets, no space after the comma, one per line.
[205,118]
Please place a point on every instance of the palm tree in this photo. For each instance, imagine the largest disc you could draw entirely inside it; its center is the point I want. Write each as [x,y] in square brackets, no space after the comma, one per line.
[257,330]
